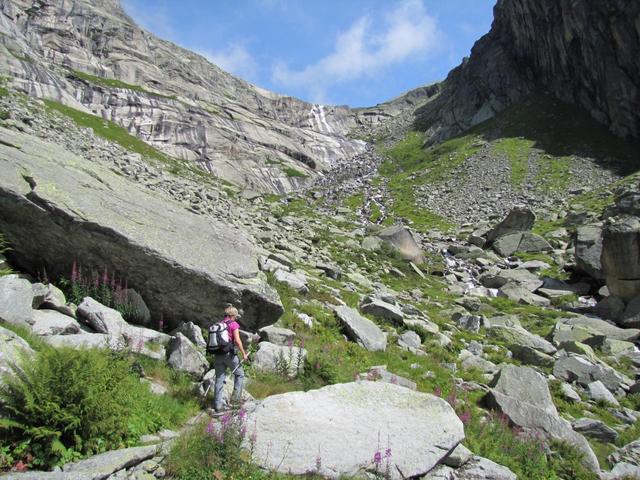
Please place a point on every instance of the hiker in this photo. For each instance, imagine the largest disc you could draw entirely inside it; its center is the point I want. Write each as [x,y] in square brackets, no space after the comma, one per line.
[223,360]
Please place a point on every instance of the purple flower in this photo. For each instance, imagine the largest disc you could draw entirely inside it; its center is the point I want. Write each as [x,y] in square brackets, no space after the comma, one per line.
[318,463]
[290,342]
[387,453]
[210,428]
[74,273]
[437,392]
[377,458]
[242,414]
[465,417]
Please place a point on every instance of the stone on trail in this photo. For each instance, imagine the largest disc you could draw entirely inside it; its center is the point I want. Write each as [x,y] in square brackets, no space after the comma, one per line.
[16,300]
[183,355]
[345,424]
[361,330]
[523,396]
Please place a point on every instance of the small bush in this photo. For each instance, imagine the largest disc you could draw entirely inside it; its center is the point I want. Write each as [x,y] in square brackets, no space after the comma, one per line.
[69,403]
[214,451]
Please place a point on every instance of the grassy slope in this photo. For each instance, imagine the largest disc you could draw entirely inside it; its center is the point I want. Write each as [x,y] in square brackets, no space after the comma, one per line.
[557,129]
[115,83]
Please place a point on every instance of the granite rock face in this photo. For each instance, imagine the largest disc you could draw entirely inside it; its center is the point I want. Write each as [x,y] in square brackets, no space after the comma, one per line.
[170,97]
[56,207]
[582,53]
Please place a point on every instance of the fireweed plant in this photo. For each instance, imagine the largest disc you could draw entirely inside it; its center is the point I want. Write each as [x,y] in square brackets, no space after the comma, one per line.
[104,287]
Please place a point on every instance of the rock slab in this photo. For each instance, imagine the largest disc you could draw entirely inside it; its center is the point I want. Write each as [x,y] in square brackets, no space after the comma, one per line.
[294,428]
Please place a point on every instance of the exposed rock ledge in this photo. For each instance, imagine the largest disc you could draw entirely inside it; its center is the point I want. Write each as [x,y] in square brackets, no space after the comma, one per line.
[56,207]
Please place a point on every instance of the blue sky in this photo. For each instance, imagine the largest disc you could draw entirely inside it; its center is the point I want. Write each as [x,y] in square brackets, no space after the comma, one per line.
[349,52]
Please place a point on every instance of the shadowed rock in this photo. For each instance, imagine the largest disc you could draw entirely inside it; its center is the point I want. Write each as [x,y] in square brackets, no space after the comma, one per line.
[187,266]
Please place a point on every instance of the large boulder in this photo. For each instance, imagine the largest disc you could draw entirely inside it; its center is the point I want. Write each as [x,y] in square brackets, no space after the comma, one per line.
[520,337]
[402,240]
[277,335]
[16,299]
[192,332]
[525,242]
[184,356]
[588,250]
[12,348]
[522,395]
[294,428]
[187,266]
[361,330]
[296,280]
[288,361]
[621,258]
[521,277]
[519,219]
[50,322]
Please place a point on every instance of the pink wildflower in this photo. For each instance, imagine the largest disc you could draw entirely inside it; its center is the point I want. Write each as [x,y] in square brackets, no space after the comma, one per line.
[377,458]
[74,273]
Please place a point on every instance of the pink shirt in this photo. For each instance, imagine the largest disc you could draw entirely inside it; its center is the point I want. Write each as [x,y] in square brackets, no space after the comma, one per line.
[232,326]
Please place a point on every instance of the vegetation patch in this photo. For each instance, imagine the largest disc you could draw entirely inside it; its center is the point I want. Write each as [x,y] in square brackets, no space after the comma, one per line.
[517,152]
[4,248]
[293,172]
[67,404]
[115,83]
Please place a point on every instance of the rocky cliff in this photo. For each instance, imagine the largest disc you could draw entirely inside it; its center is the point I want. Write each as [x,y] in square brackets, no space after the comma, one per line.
[584,53]
[89,55]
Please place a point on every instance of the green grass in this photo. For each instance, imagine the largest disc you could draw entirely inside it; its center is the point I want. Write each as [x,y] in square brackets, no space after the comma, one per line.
[113,132]
[292,172]
[517,151]
[354,201]
[115,83]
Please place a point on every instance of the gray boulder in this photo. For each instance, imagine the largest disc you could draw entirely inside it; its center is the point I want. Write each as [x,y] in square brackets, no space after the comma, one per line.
[84,340]
[382,309]
[521,277]
[360,330]
[102,319]
[610,308]
[476,468]
[525,242]
[518,336]
[621,258]
[295,428]
[519,219]
[50,322]
[579,369]
[184,356]
[402,240]
[471,323]
[193,332]
[630,453]
[599,393]
[12,348]
[597,327]
[569,393]
[522,395]
[295,280]
[410,339]
[523,295]
[330,271]
[288,361]
[595,429]
[277,335]
[630,318]
[16,300]
[189,270]
[588,250]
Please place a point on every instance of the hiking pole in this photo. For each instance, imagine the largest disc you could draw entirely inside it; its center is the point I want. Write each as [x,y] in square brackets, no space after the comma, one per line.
[224,382]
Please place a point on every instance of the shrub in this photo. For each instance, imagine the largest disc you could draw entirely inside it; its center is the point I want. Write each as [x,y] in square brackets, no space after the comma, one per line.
[70,403]
[213,450]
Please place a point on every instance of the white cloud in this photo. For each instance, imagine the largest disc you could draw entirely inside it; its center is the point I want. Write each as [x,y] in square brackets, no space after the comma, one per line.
[235,59]
[361,51]
[157,21]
